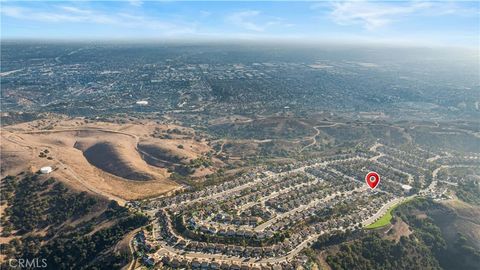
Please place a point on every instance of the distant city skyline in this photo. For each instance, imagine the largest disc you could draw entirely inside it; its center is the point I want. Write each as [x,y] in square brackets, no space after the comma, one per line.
[437,23]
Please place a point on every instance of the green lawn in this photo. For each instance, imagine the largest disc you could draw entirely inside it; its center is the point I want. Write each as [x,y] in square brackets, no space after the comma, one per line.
[385,219]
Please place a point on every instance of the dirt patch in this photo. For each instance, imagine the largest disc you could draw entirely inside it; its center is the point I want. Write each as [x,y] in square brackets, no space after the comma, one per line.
[322,263]
[421,215]
[397,230]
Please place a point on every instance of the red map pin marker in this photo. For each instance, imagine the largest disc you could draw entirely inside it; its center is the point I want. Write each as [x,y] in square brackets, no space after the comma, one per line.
[372,179]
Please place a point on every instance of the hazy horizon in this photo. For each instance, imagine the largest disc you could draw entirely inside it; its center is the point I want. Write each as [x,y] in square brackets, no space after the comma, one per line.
[247,42]
[403,23]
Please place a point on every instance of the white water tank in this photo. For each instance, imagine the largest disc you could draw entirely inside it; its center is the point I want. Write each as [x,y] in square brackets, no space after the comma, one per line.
[45,170]
[142,102]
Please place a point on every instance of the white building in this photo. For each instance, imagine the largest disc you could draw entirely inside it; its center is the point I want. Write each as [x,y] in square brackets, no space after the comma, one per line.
[45,170]
[142,102]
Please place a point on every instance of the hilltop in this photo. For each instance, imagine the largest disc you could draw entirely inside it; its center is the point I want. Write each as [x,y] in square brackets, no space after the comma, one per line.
[118,161]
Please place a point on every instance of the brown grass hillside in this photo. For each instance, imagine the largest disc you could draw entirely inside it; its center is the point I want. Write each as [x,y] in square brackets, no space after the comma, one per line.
[99,157]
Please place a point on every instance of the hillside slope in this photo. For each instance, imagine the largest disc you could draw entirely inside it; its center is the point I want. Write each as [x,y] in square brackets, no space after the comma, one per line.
[71,230]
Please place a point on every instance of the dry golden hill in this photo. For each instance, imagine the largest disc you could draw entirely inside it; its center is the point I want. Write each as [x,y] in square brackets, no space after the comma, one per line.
[104,158]
[175,154]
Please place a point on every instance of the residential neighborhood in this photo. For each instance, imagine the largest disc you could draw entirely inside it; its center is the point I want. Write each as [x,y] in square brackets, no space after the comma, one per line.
[265,219]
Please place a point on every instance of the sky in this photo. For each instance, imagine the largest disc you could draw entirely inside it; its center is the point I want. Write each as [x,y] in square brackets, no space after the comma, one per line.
[441,23]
